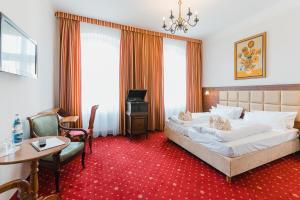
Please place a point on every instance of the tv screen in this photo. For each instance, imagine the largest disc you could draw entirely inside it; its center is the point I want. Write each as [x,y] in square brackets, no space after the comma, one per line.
[18,53]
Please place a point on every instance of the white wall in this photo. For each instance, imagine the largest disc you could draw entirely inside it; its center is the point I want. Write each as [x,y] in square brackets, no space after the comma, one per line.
[24,95]
[281,22]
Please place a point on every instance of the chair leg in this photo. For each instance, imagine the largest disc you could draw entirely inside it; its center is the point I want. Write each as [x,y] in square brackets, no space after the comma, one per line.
[56,159]
[83,159]
[90,143]
[228,179]
[57,179]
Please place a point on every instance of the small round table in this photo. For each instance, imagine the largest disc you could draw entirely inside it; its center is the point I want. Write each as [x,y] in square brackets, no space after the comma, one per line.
[28,153]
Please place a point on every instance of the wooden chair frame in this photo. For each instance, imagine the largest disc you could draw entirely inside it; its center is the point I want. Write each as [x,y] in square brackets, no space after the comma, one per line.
[24,190]
[91,126]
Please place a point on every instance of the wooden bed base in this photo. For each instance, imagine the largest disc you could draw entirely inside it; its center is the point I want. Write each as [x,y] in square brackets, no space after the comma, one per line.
[237,165]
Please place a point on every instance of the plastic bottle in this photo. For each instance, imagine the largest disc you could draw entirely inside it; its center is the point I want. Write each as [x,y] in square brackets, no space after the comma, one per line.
[17,131]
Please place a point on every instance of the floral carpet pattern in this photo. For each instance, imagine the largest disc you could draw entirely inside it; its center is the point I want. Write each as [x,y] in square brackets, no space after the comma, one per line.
[156,168]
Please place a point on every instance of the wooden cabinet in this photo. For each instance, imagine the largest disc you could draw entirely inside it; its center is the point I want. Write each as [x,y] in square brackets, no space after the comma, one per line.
[136,123]
[136,113]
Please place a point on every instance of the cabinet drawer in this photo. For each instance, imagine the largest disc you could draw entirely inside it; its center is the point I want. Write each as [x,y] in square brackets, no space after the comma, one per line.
[138,124]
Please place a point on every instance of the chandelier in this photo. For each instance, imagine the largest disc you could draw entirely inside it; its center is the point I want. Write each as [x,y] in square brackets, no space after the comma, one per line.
[180,23]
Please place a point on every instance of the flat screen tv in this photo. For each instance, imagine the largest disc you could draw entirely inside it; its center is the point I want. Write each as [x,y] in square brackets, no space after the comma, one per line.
[18,52]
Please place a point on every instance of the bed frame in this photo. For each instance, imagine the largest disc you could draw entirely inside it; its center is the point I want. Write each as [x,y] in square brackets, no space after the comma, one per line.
[275,100]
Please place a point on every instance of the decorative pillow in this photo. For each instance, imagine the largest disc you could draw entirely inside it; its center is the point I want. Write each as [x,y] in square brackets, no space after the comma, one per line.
[277,120]
[227,111]
[236,112]
[185,116]
[219,123]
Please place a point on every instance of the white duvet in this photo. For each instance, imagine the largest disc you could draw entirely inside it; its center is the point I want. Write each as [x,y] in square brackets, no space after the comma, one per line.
[197,118]
[239,129]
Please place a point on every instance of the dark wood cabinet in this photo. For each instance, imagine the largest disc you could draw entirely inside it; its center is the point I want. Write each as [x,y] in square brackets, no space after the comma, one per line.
[136,113]
[136,123]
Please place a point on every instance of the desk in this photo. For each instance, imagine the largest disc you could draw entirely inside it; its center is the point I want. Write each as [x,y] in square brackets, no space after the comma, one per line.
[69,119]
[28,153]
[64,116]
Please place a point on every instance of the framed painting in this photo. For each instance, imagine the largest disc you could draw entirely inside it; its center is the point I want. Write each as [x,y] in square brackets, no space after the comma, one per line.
[250,57]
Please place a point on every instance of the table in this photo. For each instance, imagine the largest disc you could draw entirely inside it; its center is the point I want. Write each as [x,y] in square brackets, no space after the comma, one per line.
[65,118]
[69,119]
[28,153]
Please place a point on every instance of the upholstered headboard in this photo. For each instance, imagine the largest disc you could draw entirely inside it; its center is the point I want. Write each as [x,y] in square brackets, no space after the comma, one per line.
[268,100]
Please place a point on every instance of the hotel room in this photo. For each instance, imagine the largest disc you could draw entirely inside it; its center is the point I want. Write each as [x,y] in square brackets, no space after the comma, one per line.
[173,99]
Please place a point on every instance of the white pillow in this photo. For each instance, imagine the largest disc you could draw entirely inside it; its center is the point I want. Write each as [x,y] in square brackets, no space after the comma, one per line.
[236,112]
[226,111]
[277,120]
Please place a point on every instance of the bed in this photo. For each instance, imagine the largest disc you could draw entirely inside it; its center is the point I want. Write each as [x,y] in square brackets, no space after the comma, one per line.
[233,159]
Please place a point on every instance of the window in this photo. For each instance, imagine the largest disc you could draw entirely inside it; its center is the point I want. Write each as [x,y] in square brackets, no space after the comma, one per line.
[100,52]
[174,76]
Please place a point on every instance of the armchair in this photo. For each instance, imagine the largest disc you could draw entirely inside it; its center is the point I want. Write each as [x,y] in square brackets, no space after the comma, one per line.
[24,190]
[47,124]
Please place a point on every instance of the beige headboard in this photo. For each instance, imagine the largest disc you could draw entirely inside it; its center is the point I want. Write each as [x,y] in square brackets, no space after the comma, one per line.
[268,100]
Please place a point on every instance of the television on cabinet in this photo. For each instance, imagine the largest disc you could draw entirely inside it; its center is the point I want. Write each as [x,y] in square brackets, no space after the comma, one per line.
[18,52]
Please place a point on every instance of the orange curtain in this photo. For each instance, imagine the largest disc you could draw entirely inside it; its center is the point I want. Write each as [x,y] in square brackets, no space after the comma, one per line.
[193,77]
[141,67]
[70,69]
[121,26]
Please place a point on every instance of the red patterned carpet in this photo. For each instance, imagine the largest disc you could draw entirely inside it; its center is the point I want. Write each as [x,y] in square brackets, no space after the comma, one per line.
[156,168]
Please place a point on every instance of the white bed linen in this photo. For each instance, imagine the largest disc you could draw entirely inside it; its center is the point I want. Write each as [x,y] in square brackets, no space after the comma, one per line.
[238,147]
[197,118]
[240,129]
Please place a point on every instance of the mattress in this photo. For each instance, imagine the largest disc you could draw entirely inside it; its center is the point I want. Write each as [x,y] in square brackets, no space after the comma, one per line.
[237,147]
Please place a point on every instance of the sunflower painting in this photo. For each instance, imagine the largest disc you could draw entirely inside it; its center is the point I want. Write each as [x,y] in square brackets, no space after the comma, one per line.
[250,57]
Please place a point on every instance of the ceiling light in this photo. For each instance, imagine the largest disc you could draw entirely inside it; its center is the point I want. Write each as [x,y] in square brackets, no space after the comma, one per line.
[181,23]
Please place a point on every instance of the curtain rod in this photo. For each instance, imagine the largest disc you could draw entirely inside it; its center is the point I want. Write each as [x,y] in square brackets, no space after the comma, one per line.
[121,26]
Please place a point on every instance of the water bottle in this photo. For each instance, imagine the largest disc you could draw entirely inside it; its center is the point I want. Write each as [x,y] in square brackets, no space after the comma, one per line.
[17,131]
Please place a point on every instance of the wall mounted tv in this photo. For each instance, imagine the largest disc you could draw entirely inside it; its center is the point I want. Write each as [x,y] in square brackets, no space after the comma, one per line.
[18,52]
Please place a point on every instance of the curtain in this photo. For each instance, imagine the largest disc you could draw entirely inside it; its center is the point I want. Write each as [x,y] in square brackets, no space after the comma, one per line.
[100,47]
[194,74]
[70,74]
[174,76]
[141,67]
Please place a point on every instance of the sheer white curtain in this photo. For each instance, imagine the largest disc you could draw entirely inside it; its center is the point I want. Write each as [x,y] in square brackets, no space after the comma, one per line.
[100,52]
[174,76]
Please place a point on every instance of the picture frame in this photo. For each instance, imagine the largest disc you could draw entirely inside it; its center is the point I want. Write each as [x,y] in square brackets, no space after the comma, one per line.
[250,57]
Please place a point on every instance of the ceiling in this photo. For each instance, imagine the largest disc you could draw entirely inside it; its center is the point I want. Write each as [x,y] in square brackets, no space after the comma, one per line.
[214,15]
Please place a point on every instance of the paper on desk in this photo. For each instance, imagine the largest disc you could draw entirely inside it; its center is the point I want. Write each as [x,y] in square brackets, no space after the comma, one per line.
[50,143]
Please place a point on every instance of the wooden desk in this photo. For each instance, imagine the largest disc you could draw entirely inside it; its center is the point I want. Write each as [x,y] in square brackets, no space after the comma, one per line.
[65,118]
[69,119]
[28,153]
